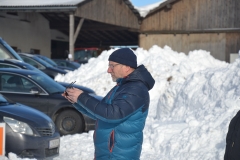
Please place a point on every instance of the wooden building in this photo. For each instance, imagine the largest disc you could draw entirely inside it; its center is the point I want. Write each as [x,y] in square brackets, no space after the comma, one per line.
[186,25]
[183,25]
[57,26]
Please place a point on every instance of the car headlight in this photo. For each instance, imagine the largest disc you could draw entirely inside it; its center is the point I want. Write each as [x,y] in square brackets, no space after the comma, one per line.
[18,126]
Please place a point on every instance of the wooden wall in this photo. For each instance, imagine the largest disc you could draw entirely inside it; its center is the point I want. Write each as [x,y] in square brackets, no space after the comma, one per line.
[212,25]
[195,15]
[232,44]
[114,12]
[219,45]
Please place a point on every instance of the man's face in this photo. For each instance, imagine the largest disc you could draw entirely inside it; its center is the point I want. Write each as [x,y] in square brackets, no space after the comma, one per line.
[116,70]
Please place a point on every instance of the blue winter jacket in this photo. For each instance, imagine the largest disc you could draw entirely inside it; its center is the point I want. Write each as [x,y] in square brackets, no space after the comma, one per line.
[120,116]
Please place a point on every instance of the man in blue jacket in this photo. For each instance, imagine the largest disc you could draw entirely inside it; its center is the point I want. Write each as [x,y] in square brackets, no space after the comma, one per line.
[121,115]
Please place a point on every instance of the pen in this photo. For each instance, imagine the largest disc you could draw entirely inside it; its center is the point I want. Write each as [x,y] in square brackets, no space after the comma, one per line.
[69,86]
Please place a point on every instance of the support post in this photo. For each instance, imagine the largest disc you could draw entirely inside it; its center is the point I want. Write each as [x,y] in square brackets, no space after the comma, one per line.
[71,37]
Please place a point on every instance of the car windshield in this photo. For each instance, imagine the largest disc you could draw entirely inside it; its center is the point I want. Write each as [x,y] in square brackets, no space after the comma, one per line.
[76,64]
[30,67]
[35,61]
[47,83]
[48,60]
[46,64]
[6,52]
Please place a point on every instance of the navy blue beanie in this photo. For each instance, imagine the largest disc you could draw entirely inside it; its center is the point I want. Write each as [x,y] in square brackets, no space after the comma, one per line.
[124,56]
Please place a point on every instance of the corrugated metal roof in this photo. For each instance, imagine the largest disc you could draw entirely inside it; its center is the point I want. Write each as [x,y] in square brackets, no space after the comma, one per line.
[48,5]
[28,3]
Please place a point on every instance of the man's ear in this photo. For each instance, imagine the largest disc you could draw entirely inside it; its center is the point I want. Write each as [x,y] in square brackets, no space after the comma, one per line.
[129,69]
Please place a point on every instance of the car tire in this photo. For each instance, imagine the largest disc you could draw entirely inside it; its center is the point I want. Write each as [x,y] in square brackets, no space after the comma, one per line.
[69,122]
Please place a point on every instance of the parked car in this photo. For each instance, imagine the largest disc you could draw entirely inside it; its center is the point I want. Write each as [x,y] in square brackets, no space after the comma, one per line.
[41,65]
[67,63]
[13,63]
[43,93]
[82,55]
[7,52]
[29,132]
[54,64]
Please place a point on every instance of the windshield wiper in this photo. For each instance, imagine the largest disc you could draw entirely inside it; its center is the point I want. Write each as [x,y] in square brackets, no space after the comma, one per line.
[56,92]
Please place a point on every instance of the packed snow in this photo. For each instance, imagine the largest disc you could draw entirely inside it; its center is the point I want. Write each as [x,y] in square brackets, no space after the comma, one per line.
[194,98]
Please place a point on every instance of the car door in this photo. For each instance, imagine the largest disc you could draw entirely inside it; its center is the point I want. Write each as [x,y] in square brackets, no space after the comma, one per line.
[23,90]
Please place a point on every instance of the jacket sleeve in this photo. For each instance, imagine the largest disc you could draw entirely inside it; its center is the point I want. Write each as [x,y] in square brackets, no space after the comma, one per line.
[83,111]
[122,106]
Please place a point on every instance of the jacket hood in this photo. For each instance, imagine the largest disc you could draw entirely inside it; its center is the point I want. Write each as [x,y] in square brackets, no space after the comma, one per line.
[143,75]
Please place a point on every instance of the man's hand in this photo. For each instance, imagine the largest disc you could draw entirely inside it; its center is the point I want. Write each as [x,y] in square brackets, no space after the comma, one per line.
[71,94]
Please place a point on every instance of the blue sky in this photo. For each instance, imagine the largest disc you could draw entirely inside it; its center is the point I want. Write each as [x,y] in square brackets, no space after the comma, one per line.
[140,3]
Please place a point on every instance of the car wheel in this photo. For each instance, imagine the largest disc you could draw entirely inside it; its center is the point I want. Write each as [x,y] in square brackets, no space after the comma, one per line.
[69,122]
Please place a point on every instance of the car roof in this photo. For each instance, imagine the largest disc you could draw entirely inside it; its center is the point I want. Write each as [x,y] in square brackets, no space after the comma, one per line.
[27,54]
[12,61]
[36,58]
[20,64]
[19,71]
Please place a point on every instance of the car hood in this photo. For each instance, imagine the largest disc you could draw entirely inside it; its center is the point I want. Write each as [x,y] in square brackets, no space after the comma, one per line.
[85,89]
[65,68]
[26,114]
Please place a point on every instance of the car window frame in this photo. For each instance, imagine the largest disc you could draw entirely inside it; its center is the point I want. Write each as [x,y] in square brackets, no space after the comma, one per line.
[18,92]
[42,67]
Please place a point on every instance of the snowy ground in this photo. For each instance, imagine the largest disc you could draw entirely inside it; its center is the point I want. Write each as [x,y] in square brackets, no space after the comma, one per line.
[194,98]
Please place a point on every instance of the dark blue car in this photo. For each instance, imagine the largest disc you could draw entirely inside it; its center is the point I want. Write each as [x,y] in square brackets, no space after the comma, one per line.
[39,91]
[67,63]
[40,64]
[13,63]
[54,64]
[29,132]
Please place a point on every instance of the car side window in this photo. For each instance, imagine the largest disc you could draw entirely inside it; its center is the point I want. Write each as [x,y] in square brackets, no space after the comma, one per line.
[32,62]
[3,53]
[16,83]
[7,66]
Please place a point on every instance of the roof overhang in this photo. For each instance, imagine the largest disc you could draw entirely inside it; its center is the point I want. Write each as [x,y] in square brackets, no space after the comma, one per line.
[39,9]
[92,34]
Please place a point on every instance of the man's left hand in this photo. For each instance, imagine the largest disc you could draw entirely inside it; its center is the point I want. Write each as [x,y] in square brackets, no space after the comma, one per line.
[72,94]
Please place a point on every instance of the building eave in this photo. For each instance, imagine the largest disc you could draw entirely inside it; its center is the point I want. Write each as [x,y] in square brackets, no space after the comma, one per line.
[39,9]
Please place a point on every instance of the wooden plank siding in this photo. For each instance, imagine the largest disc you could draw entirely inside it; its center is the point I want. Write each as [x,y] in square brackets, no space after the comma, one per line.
[114,12]
[194,15]
[233,44]
[220,45]
[211,25]
[237,13]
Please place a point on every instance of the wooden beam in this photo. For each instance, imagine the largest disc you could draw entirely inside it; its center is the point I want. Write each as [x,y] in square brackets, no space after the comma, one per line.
[78,29]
